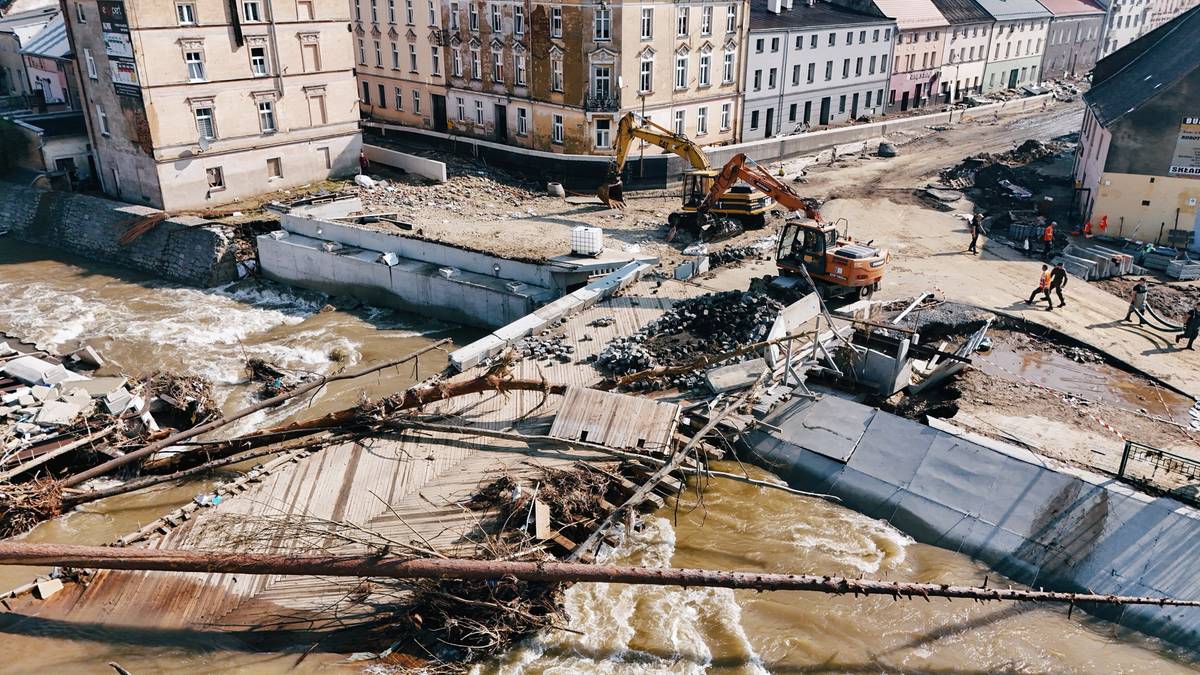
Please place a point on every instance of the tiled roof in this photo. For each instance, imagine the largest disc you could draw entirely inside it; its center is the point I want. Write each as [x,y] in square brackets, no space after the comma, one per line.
[1072,7]
[801,15]
[962,11]
[1014,10]
[911,14]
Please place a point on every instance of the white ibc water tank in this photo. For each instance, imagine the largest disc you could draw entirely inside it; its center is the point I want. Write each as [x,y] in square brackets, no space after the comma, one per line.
[587,240]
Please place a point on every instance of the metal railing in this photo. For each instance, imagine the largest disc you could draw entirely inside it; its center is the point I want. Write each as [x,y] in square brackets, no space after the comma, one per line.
[602,102]
[1158,469]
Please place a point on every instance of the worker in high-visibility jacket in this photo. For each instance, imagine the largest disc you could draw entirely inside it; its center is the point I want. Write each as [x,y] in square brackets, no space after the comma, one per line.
[1048,238]
[1087,230]
[1043,288]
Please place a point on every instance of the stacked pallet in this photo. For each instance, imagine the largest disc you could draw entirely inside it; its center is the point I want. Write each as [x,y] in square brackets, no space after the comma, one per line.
[1184,269]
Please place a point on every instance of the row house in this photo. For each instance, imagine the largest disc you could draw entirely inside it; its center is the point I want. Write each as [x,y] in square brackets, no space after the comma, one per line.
[1073,40]
[1018,41]
[553,76]
[816,63]
[965,58]
[917,54]
[1125,21]
[1162,11]
[196,103]
[16,31]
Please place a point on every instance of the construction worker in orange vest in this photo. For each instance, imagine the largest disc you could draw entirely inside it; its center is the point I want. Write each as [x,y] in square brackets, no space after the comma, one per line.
[1048,238]
[1103,224]
[1087,230]
[1043,288]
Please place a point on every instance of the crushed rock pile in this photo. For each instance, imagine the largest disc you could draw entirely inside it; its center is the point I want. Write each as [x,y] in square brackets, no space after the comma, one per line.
[467,191]
[708,324]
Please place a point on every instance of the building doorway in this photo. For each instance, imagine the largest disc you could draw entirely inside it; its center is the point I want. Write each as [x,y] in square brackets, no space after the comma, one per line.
[807,112]
[854,106]
[439,113]
[825,110]
[501,122]
[1012,78]
[904,101]
[770,122]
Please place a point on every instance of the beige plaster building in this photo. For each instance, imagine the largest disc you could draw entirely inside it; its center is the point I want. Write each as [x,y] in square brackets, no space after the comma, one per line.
[552,76]
[197,103]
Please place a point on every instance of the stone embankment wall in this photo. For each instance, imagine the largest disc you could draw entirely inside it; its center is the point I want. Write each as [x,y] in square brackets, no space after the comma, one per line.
[184,249]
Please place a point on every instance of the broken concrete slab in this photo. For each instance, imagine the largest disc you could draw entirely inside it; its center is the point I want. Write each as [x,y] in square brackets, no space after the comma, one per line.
[88,357]
[41,392]
[735,376]
[27,369]
[43,590]
[98,387]
[27,401]
[118,401]
[15,395]
[81,398]
[58,413]
[58,374]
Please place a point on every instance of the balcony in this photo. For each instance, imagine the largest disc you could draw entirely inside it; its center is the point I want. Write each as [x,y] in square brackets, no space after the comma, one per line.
[604,101]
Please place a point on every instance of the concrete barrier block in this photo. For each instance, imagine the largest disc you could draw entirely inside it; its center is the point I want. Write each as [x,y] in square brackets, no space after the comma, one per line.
[523,327]
[428,168]
[561,307]
[470,355]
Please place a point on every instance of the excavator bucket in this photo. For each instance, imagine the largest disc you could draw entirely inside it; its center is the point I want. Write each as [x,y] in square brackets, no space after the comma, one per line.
[611,195]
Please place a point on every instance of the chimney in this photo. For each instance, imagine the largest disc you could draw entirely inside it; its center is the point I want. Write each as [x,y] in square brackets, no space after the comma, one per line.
[773,6]
[787,4]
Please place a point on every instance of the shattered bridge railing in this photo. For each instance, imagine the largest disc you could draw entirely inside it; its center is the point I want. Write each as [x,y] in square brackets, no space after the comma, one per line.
[1158,469]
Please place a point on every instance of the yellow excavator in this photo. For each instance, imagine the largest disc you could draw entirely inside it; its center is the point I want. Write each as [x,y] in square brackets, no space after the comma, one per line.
[742,202]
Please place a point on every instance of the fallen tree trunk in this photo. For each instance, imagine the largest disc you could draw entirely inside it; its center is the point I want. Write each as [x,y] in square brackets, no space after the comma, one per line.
[167,442]
[105,557]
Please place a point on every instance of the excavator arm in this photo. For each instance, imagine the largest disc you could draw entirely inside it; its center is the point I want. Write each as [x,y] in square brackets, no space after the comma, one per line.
[740,167]
[634,126]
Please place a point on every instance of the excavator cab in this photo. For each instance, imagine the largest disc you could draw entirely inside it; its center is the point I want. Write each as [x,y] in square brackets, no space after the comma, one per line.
[839,266]
[696,185]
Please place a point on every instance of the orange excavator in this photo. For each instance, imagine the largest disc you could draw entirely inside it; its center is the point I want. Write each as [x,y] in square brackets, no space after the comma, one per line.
[837,264]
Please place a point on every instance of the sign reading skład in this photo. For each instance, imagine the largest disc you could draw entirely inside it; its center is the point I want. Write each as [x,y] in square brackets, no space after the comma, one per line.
[1186,160]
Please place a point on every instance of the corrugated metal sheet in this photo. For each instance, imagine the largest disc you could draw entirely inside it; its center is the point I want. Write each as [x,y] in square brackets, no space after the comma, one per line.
[51,42]
[912,14]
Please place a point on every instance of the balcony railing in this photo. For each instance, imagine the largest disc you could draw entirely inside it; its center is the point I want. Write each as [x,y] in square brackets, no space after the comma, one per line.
[602,102]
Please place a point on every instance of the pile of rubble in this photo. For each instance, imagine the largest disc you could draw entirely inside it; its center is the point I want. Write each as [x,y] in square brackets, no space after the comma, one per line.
[552,348]
[705,325]
[759,250]
[468,190]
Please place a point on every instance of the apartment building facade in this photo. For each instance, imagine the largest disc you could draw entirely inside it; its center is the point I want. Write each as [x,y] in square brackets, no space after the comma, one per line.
[965,58]
[198,103]
[1073,39]
[558,76]
[1125,21]
[16,31]
[917,54]
[398,57]
[1018,42]
[812,64]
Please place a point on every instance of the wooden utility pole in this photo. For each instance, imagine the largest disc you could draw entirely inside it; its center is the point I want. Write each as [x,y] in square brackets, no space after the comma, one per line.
[222,562]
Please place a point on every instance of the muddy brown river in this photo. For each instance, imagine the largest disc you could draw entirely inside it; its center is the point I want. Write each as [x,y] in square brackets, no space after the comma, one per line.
[143,325]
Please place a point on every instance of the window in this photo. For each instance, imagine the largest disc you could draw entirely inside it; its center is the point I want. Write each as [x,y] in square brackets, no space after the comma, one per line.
[681,71]
[80,16]
[858,63]
[462,108]
[456,63]
[412,58]
[706,16]
[869,98]
[519,19]
[91,63]
[726,114]
[812,72]
[399,99]
[796,74]
[378,55]
[374,11]
[862,37]
[556,128]
[204,123]
[497,66]
[828,70]
[472,17]
[646,75]
[731,19]
[266,113]
[845,69]
[391,10]
[184,11]
[475,68]
[366,93]
[771,79]
[362,52]
[887,34]
[496,21]
[799,42]
[522,122]
[258,60]
[849,38]
[556,22]
[774,45]
[479,112]
[680,121]
[792,113]
[757,79]
[871,66]
[832,39]
[519,69]
[274,168]
[603,129]
[382,97]
[760,46]
[602,24]
[727,67]
[705,67]
[702,120]
[454,16]
[395,56]
[754,120]
[842,104]
[251,10]
[812,42]
[408,12]
[216,178]
[416,102]
[194,61]
[358,10]
[102,120]
[647,23]
[556,73]
[682,14]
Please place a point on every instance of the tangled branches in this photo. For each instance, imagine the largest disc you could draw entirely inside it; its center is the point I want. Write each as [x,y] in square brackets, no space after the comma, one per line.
[24,505]
[191,395]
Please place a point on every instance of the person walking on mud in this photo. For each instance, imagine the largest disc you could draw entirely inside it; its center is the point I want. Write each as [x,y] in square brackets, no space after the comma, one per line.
[1058,281]
[974,228]
[1043,288]
[1191,327]
[1138,304]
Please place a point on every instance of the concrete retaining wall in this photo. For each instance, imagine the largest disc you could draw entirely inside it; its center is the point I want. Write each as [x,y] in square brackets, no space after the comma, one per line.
[653,170]
[184,249]
[429,168]
[1039,524]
